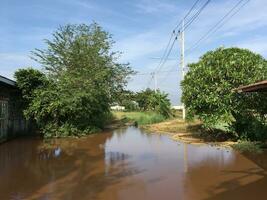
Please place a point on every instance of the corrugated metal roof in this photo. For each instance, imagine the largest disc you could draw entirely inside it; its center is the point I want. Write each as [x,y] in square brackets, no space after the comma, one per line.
[7,81]
[256,87]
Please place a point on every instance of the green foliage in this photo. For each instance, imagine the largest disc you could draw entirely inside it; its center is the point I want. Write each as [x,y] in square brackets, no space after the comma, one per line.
[84,78]
[28,80]
[208,86]
[250,126]
[127,99]
[141,118]
[149,100]
[130,105]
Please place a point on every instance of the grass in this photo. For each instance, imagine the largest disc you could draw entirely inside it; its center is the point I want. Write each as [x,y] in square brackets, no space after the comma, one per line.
[175,126]
[141,118]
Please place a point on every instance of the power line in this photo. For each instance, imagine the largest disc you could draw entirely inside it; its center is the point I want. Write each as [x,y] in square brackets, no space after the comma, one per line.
[156,58]
[167,55]
[166,49]
[164,57]
[188,13]
[171,43]
[218,25]
[150,73]
[192,19]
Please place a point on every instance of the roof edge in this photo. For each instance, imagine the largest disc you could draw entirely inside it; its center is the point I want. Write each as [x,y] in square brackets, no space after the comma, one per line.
[262,85]
[7,81]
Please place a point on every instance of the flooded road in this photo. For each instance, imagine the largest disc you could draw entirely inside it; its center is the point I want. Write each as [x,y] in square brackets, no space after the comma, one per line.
[127,164]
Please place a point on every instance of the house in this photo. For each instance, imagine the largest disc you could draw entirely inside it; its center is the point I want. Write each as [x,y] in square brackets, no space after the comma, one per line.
[117,108]
[177,107]
[12,122]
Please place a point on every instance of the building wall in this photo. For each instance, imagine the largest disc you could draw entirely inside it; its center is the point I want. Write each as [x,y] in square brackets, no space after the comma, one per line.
[12,122]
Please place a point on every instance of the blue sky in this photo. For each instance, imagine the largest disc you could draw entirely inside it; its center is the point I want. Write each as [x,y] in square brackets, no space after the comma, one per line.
[141,29]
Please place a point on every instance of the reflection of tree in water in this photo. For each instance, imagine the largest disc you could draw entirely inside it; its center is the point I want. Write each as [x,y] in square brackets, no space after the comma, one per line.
[30,171]
[118,163]
[120,132]
[115,157]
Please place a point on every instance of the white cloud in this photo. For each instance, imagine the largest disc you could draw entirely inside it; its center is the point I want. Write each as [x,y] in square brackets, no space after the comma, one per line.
[144,40]
[141,45]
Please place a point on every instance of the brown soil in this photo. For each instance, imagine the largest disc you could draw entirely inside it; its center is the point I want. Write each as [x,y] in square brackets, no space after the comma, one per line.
[189,132]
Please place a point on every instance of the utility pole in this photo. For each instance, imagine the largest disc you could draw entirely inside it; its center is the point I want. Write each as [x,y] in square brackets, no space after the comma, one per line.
[182,40]
[154,75]
[156,82]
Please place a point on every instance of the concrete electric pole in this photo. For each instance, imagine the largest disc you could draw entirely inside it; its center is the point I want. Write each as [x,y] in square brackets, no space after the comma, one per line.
[154,75]
[182,40]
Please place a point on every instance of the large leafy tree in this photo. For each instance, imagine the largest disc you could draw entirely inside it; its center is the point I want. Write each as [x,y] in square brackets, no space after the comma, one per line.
[84,78]
[208,88]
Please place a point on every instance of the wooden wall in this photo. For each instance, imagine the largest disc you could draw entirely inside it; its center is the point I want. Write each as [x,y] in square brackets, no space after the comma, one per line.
[12,122]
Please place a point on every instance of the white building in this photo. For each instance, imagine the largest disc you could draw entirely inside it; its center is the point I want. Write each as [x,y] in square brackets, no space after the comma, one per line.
[178,107]
[117,108]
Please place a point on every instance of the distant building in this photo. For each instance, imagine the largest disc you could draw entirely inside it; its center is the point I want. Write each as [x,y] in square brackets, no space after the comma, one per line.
[177,107]
[117,108]
[12,122]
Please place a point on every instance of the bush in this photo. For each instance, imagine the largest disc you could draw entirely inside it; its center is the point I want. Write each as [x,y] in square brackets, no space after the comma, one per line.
[130,105]
[248,147]
[251,127]
[141,118]
[149,100]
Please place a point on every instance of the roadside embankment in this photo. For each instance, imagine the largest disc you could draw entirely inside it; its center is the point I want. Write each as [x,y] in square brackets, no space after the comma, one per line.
[188,132]
[180,130]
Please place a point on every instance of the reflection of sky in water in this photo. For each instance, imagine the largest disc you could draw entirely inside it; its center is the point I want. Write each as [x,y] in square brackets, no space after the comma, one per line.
[57,152]
[147,151]
[216,155]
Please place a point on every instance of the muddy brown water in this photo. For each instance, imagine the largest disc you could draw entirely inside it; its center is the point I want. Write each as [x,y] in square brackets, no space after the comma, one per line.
[127,164]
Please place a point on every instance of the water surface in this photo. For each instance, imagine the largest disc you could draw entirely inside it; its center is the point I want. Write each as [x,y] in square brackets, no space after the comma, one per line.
[127,164]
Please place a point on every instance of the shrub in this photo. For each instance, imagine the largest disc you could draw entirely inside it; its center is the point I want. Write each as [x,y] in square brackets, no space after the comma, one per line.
[248,147]
[149,100]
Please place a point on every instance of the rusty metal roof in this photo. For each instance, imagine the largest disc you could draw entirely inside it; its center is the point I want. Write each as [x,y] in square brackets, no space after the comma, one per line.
[256,87]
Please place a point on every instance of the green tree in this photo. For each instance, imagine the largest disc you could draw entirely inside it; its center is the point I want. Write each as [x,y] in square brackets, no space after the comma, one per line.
[209,84]
[84,79]
[145,99]
[149,100]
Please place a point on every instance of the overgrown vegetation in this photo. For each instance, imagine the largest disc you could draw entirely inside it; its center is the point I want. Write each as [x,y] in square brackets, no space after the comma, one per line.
[140,118]
[244,146]
[81,78]
[29,80]
[208,92]
[157,101]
